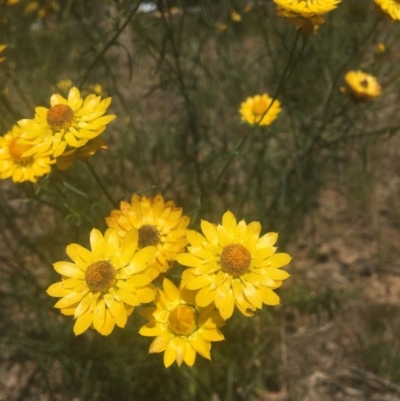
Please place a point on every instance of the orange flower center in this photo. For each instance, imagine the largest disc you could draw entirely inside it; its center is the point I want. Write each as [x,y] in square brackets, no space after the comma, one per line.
[182,320]
[260,107]
[235,259]
[148,236]
[60,116]
[100,276]
[17,150]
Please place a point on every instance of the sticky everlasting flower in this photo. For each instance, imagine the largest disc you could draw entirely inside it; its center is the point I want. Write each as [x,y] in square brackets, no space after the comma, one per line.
[361,85]
[390,7]
[232,265]
[182,328]
[159,223]
[68,124]
[253,110]
[308,24]
[101,287]
[307,7]
[13,165]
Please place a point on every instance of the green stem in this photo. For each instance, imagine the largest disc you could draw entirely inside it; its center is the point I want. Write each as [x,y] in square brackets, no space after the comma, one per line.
[109,44]
[101,185]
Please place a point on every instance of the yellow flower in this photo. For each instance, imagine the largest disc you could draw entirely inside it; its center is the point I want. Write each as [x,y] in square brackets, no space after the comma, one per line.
[222,26]
[64,84]
[380,48]
[67,125]
[159,223]
[307,7]
[101,287]
[2,47]
[9,2]
[361,85]
[307,25]
[232,265]
[235,16]
[390,7]
[254,108]
[32,7]
[182,328]
[16,167]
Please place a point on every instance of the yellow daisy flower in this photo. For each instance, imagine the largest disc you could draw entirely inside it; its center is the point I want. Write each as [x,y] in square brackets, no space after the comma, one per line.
[64,84]
[308,7]
[13,165]
[2,47]
[254,108]
[101,287]
[68,124]
[232,265]
[182,328]
[308,25]
[235,16]
[159,223]
[361,85]
[390,7]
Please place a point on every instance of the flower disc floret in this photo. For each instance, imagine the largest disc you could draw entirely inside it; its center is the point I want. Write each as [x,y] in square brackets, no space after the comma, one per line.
[100,276]
[13,163]
[67,125]
[101,286]
[257,110]
[180,326]
[159,223]
[231,265]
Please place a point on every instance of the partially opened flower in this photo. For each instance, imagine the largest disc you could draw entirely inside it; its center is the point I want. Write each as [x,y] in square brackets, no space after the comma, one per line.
[259,110]
[82,154]
[361,85]
[390,8]
[181,328]
[308,6]
[159,223]
[13,165]
[101,286]
[232,265]
[68,124]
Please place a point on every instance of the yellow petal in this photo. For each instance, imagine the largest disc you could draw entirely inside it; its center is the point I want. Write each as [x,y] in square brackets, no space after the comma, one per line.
[169,355]
[70,299]
[251,294]
[199,282]
[190,356]
[97,242]
[210,232]
[186,259]
[205,297]
[279,260]
[229,222]
[112,242]
[128,297]
[195,238]
[150,330]
[69,270]
[99,315]
[83,304]
[268,296]
[267,240]
[109,324]
[201,346]
[160,343]
[225,238]
[116,309]
[240,232]
[83,322]
[277,274]
[226,309]
[58,290]
[170,290]
[141,258]
[212,335]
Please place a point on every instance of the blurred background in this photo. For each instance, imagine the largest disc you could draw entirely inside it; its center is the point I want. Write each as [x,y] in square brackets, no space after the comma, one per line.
[325,175]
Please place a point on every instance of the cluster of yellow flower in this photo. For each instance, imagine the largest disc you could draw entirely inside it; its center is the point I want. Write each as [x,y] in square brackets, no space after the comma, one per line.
[69,130]
[228,265]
